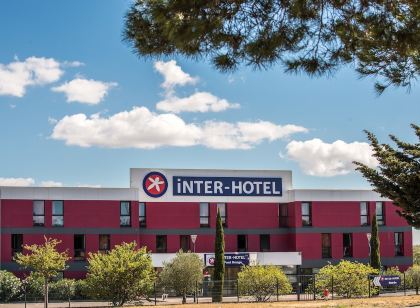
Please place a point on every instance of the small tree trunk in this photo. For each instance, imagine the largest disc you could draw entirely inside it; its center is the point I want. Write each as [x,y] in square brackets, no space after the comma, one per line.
[184,298]
[417,291]
[46,293]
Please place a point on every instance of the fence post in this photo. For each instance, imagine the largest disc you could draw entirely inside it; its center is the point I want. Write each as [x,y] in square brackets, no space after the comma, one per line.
[369,284]
[298,288]
[404,284]
[332,287]
[154,288]
[314,282]
[237,289]
[277,288]
[196,291]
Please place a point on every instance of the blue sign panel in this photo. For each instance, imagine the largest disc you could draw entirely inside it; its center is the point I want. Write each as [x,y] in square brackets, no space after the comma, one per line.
[231,259]
[390,281]
[226,186]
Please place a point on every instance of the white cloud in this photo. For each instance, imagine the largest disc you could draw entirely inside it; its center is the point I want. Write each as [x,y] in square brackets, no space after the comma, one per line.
[16,181]
[89,185]
[319,158]
[141,128]
[72,64]
[16,76]
[173,75]
[197,102]
[51,184]
[86,91]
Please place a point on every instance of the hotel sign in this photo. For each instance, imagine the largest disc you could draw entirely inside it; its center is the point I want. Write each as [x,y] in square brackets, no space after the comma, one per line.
[231,259]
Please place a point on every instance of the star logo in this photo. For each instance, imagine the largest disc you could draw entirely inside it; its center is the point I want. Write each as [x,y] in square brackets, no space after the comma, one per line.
[155,184]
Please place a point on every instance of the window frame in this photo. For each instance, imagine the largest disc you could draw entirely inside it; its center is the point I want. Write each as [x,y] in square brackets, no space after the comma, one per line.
[224,217]
[366,216]
[268,239]
[349,254]
[205,225]
[55,215]
[125,215]
[142,218]
[381,220]
[326,251]
[165,249]
[14,249]
[35,224]
[283,219]
[306,215]
[108,242]
[399,248]
[246,242]
[79,254]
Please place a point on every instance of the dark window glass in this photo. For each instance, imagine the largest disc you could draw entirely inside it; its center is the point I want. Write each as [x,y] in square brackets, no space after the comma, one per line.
[380,217]
[242,243]
[399,243]
[184,242]
[161,243]
[347,245]
[57,213]
[142,214]
[326,245]
[17,243]
[204,214]
[104,242]
[79,247]
[364,213]
[125,219]
[221,207]
[38,213]
[306,214]
[264,242]
[283,215]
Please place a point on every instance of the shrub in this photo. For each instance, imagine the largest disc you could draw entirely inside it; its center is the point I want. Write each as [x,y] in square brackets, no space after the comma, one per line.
[63,289]
[412,276]
[10,286]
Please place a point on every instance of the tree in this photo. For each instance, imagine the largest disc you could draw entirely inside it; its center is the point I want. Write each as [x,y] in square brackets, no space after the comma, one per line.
[182,273]
[10,286]
[412,276]
[350,278]
[44,260]
[124,274]
[380,38]
[219,261]
[416,254]
[261,282]
[375,255]
[64,289]
[398,174]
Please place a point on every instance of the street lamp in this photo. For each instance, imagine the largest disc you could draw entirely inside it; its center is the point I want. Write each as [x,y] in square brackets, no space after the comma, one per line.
[193,239]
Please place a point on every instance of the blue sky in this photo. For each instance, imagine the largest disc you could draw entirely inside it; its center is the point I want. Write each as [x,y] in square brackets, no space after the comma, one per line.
[50,40]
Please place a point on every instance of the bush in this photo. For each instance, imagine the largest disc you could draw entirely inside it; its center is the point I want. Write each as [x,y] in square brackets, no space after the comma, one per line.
[10,286]
[412,276]
[261,282]
[63,289]
[350,279]
[34,287]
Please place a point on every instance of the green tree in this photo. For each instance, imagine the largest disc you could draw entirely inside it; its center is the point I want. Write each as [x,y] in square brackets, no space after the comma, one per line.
[375,255]
[219,261]
[350,279]
[412,276]
[182,273]
[63,289]
[398,175]
[380,38]
[10,286]
[261,282]
[122,275]
[416,254]
[44,260]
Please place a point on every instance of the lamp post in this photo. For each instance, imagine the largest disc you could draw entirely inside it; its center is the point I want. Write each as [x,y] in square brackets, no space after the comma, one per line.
[193,239]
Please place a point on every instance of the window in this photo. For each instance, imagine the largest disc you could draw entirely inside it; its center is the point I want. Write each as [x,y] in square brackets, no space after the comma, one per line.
[347,245]
[184,242]
[221,207]
[125,220]
[283,215]
[104,242]
[38,213]
[79,246]
[380,217]
[161,243]
[242,243]
[399,244]
[326,245]
[17,243]
[142,214]
[264,242]
[306,214]
[57,213]
[364,213]
[204,215]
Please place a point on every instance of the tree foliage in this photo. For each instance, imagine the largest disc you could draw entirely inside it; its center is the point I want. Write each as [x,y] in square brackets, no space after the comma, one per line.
[182,273]
[375,254]
[380,38]
[398,174]
[124,274]
[219,261]
[412,276]
[10,286]
[350,279]
[416,254]
[261,282]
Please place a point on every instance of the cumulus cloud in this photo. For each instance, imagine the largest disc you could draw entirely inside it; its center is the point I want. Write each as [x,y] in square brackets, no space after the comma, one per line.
[87,91]
[319,158]
[51,184]
[16,181]
[141,128]
[197,102]
[16,76]
[173,75]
